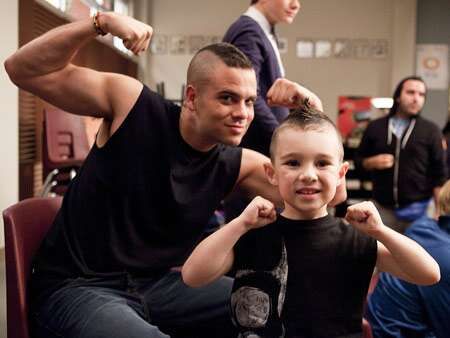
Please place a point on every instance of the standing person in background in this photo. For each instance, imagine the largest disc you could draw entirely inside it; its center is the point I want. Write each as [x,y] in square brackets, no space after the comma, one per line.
[254,34]
[400,309]
[404,152]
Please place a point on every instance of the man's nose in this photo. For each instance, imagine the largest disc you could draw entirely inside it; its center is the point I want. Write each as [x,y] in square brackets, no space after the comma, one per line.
[241,111]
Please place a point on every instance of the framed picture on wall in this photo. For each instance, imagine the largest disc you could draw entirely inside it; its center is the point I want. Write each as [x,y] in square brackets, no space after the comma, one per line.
[379,49]
[342,48]
[178,44]
[283,45]
[305,49]
[158,44]
[196,42]
[361,49]
[214,39]
[323,49]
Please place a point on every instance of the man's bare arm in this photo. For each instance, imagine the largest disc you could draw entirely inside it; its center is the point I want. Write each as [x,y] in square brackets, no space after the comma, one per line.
[252,177]
[43,67]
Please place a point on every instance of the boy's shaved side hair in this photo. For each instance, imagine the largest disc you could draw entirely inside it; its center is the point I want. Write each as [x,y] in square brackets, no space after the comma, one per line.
[306,118]
[205,60]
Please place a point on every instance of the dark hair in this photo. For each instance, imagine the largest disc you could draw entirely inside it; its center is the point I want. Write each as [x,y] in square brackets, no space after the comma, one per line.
[306,118]
[253,2]
[229,54]
[398,92]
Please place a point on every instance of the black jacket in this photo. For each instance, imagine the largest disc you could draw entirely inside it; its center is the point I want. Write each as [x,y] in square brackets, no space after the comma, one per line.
[419,161]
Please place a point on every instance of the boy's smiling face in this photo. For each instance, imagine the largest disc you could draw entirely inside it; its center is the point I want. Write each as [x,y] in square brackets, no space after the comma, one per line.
[307,167]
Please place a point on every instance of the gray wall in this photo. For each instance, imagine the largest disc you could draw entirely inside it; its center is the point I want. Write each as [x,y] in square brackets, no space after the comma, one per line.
[433,26]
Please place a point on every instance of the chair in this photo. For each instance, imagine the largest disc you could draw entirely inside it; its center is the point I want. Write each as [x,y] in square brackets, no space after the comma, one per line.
[366,329]
[26,224]
[65,146]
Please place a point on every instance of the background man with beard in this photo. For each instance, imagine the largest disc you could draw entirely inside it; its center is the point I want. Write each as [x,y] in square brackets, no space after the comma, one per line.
[405,155]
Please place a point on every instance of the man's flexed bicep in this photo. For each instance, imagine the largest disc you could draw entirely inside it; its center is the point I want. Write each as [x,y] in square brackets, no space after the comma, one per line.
[84,91]
[43,67]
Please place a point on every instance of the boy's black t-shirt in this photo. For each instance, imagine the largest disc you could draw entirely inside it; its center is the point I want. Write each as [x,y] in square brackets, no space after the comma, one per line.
[140,203]
[328,265]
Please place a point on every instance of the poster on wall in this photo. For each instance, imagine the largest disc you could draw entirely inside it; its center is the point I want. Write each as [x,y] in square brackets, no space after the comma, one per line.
[432,65]
[354,112]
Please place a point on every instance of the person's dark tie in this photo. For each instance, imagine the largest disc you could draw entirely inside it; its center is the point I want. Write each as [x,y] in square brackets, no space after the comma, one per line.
[274,34]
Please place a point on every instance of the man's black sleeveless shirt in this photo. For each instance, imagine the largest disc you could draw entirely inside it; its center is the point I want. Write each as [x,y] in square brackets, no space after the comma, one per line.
[140,203]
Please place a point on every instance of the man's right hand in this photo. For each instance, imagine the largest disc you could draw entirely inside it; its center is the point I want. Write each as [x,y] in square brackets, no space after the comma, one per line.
[291,95]
[135,35]
[378,162]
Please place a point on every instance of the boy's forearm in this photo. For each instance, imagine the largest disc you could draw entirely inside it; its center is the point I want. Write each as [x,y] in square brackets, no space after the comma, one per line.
[211,258]
[49,52]
[413,263]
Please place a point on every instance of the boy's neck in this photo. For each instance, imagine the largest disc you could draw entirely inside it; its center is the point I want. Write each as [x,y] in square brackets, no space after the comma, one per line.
[303,215]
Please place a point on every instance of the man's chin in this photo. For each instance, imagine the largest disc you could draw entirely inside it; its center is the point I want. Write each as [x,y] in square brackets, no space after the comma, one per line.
[235,141]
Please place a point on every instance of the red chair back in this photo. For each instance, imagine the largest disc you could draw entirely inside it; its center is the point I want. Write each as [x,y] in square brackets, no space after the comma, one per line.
[65,139]
[26,224]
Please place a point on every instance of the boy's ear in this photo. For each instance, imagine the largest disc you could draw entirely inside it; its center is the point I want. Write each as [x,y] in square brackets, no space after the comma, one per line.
[191,95]
[342,172]
[270,174]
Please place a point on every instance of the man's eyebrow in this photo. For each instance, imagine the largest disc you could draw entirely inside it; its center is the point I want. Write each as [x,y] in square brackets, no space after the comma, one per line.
[228,92]
[235,94]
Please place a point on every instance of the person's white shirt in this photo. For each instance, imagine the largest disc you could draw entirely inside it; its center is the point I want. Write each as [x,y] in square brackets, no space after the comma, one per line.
[262,21]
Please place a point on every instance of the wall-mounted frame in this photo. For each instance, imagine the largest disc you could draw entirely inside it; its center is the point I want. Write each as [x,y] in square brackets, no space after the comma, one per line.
[283,45]
[196,42]
[342,48]
[178,44]
[361,48]
[323,49]
[158,44]
[379,49]
[304,49]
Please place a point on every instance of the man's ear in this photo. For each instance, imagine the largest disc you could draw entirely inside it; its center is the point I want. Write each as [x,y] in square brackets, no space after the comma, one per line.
[270,173]
[189,99]
[342,172]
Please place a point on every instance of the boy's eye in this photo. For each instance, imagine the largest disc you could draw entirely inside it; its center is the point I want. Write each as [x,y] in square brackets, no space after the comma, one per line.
[292,163]
[323,163]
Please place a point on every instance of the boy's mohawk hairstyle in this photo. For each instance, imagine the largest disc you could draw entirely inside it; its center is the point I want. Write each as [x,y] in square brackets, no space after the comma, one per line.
[305,116]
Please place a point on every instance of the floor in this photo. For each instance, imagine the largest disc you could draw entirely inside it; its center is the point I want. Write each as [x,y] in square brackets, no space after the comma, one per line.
[2,296]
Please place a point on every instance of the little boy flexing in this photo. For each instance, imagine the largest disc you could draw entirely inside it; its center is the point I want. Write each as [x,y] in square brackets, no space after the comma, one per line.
[305,273]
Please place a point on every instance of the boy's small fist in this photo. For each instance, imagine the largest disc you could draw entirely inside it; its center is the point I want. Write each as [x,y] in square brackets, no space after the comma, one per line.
[258,213]
[364,216]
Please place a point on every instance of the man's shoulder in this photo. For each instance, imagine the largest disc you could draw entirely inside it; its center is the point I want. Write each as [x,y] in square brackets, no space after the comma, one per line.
[426,123]
[245,21]
[379,121]
[244,24]
[376,126]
